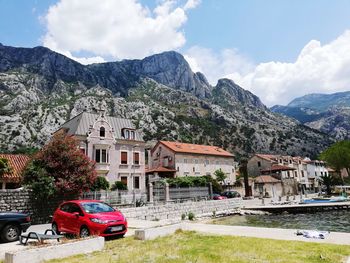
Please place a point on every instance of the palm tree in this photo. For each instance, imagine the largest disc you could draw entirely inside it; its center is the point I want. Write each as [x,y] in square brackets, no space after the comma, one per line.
[328,180]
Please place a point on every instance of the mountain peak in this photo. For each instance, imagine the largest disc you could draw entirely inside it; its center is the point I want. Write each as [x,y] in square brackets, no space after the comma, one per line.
[229,88]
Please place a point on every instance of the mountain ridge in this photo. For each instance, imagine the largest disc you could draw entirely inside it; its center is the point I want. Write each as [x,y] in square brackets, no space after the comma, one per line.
[40,89]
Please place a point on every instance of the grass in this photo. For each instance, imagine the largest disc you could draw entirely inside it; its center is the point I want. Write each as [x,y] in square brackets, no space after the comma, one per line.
[194,247]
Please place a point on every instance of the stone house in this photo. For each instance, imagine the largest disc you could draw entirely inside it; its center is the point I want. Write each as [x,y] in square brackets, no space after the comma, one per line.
[173,159]
[17,164]
[267,186]
[304,171]
[115,145]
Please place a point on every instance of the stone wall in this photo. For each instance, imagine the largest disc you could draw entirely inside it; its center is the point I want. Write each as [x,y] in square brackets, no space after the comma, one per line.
[175,210]
[21,200]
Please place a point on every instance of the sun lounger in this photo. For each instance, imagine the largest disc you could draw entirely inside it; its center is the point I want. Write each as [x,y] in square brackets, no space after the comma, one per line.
[40,237]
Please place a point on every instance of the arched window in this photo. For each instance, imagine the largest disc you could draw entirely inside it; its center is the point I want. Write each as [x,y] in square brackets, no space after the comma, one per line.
[102,132]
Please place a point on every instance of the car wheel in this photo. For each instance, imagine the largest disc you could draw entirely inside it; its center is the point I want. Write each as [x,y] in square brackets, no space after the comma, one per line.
[84,232]
[54,227]
[10,233]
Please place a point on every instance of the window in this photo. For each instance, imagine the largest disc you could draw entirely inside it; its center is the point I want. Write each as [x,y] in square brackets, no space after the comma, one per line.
[296,174]
[217,162]
[102,132]
[127,134]
[124,180]
[98,155]
[281,161]
[132,135]
[82,150]
[196,161]
[288,174]
[101,156]
[136,158]
[207,162]
[178,169]
[194,169]
[302,173]
[290,161]
[185,160]
[259,164]
[136,182]
[321,173]
[124,157]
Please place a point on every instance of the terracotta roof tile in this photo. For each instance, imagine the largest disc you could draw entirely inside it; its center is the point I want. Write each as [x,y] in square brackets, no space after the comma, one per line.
[277,167]
[196,148]
[266,179]
[17,163]
[160,169]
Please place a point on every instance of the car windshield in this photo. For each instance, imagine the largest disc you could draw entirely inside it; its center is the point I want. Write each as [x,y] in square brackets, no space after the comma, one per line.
[96,207]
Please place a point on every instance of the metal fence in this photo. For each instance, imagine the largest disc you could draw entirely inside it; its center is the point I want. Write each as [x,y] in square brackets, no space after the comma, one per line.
[118,197]
[188,193]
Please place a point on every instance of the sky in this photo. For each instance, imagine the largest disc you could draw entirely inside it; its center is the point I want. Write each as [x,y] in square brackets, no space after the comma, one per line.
[279,50]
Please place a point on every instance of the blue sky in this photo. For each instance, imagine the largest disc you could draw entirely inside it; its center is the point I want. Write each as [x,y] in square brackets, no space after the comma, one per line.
[251,32]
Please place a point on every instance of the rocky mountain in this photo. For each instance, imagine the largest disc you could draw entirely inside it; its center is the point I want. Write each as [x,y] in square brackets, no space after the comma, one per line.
[329,113]
[41,89]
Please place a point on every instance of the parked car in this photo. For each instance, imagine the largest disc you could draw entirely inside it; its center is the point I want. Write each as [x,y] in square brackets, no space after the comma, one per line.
[12,224]
[231,194]
[88,217]
[218,197]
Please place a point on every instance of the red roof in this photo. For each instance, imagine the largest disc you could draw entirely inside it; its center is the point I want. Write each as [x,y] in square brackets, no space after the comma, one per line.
[160,169]
[268,157]
[277,167]
[17,164]
[179,147]
[263,179]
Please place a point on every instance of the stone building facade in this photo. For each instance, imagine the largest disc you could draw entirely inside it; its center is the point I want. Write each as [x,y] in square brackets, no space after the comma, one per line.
[115,145]
[176,159]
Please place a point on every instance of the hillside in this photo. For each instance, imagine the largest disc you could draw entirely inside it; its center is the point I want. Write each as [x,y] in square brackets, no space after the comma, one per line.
[41,89]
[328,113]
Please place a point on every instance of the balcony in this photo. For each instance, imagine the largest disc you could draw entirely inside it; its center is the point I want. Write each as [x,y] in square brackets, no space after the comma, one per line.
[102,168]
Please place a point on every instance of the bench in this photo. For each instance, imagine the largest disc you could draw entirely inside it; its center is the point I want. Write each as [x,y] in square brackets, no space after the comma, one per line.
[40,237]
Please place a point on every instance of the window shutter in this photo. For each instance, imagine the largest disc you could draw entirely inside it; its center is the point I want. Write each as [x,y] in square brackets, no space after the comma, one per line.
[136,158]
[124,157]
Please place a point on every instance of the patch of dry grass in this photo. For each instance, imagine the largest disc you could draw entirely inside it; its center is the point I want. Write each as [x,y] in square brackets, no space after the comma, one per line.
[195,247]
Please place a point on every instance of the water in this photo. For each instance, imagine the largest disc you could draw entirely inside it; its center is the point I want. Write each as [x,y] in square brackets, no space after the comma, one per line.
[338,221]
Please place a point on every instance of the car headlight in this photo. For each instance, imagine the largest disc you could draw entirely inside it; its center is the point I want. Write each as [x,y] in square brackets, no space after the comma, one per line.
[99,221]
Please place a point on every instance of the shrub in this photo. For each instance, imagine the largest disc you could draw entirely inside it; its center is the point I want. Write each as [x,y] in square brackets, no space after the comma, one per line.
[118,185]
[183,216]
[100,183]
[191,216]
[62,163]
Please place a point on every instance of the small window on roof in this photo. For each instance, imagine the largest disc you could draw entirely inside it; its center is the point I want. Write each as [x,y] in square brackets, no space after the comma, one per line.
[102,131]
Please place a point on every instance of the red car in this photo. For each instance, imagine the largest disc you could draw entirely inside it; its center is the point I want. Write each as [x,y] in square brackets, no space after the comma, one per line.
[88,217]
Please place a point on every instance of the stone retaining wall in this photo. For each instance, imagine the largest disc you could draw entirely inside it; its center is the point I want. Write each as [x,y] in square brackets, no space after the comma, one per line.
[21,200]
[175,210]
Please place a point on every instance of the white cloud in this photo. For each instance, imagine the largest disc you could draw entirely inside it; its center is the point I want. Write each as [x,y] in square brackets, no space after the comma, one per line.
[190,4]
[115,29]
[218,65]
[318,69]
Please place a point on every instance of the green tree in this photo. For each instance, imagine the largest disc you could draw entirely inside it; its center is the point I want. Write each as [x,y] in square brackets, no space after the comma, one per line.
[328,181]
[101,183]
[5,167]
[338,156]
[119,185]
[70,170]
[220,176]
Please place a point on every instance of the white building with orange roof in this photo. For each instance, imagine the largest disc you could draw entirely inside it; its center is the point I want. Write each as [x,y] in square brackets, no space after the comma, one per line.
[173,159]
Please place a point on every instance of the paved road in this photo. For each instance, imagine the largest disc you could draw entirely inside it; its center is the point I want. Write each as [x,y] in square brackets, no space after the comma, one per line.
[262,232]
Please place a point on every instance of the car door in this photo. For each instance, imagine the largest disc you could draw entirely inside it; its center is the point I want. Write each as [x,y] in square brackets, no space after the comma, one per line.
[72,220]
[61,216]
